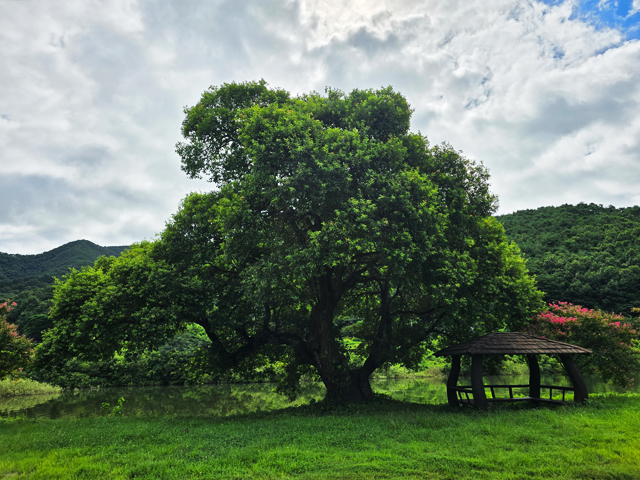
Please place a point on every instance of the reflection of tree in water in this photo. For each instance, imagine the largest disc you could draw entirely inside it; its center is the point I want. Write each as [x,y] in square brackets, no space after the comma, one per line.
[416,390]
[213,400]
[11,405]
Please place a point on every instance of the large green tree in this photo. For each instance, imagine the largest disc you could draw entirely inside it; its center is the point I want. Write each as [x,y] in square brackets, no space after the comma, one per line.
[326,207]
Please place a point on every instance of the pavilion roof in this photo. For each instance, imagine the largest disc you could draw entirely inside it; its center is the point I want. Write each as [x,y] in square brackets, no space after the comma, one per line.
[510,343]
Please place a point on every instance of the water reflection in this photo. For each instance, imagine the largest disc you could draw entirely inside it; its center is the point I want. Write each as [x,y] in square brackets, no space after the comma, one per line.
[234,399]
[416,390]
[433,390]
[213,400]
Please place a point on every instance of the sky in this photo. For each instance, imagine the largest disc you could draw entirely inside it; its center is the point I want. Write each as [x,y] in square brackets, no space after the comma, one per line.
[546,94]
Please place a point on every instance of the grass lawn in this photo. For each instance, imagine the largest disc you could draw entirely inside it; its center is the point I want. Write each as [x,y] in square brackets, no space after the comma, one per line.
[386,439]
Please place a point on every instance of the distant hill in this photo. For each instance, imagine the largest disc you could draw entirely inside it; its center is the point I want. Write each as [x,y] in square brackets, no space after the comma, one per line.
[585,254]
[21,272]
[28,280]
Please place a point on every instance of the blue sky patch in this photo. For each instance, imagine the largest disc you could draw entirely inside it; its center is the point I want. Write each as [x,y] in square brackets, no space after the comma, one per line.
[618,14]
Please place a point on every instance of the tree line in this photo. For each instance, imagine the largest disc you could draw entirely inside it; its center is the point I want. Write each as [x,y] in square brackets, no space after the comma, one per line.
[585,254]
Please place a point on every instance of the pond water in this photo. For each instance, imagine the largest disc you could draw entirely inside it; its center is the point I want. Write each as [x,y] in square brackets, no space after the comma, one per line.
[234,399]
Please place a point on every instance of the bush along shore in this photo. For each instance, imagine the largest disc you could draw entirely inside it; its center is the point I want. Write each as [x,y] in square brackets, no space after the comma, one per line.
[13,387]
[383,439]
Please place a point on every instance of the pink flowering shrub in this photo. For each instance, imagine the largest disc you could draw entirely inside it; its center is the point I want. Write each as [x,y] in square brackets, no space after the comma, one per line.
[15,350]
[613,341]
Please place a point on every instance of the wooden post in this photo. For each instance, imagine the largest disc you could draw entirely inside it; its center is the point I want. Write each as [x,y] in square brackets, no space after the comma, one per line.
[452,381]
[534,376]
[580,393]
[477,385]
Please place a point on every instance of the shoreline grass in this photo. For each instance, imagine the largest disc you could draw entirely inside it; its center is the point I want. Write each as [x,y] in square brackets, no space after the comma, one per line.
[25,386]
[384,439]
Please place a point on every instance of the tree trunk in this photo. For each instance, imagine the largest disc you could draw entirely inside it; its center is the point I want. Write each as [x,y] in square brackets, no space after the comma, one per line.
[359,387]
[328,357]
[342,384]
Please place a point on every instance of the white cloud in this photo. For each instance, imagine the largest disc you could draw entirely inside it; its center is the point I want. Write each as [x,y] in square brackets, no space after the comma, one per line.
[91,97]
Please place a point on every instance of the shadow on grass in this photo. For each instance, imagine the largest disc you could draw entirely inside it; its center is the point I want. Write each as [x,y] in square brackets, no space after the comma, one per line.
[383,404]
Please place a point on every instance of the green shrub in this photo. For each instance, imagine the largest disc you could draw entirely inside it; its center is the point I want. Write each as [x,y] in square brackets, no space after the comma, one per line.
[613,341]
[15,349]
[13,387]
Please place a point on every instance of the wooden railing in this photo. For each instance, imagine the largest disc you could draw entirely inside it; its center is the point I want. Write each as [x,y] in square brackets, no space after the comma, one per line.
[465,393]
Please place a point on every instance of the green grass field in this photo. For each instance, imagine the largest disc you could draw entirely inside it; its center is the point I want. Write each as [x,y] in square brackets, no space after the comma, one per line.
[386,439]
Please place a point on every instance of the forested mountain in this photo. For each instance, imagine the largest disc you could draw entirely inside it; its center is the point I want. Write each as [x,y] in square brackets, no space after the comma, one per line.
[28,280]
[55,262]
[582,254]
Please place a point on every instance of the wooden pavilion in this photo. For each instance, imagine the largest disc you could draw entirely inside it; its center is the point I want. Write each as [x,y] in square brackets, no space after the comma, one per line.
[511,343]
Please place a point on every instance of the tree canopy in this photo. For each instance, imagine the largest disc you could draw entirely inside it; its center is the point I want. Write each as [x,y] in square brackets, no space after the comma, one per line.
[326,208]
